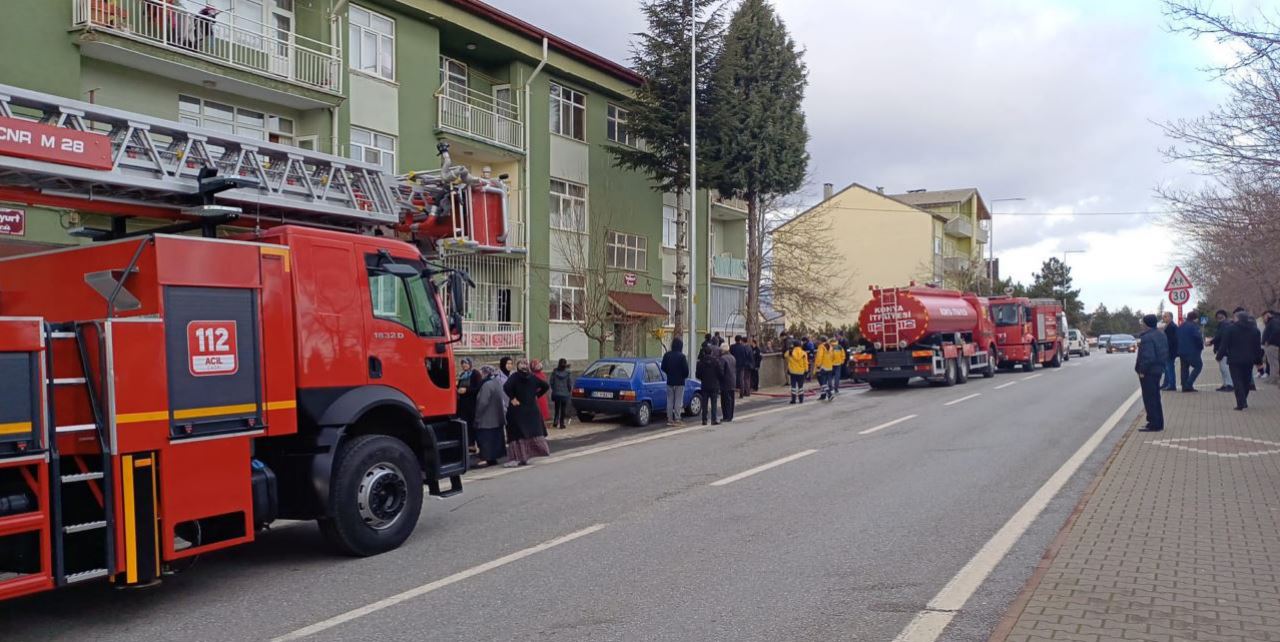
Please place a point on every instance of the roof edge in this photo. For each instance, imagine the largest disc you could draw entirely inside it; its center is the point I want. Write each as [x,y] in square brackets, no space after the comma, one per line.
[856,185]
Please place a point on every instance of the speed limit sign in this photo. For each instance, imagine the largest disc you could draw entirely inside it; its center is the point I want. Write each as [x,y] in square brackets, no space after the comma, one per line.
[1179,297]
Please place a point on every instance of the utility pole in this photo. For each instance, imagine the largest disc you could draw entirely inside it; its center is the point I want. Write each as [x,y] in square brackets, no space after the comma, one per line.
[693,176]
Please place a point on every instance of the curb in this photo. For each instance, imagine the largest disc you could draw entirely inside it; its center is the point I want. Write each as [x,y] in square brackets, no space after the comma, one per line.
[1011,617]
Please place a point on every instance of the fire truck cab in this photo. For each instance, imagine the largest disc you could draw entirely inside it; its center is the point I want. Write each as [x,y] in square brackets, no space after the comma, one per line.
[1029,331]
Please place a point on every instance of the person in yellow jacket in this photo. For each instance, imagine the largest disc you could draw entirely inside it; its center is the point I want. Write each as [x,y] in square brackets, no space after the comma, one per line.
[797,369]
[836,358]
[822,363]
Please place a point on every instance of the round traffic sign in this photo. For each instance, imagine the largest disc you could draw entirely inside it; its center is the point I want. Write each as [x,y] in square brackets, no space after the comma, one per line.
[1179,297]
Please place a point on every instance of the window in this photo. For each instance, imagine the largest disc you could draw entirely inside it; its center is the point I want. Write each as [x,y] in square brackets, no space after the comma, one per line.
[937,245]
[568,112]
[670,231]
[669,302]
[426,316]
[652,374]
[390,300]
[627,251]
[568,293]
[616,126]
[609,370]
[230,119]
[568,206]
[727,305]
[373,43]
[453,77]
[372,147]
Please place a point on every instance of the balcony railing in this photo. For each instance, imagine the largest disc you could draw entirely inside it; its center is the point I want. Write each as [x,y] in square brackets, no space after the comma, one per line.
[479,115]
[953,264]
[731,203]
[960,226]
[982,235]
[222,37]
[491,336]
[728,267]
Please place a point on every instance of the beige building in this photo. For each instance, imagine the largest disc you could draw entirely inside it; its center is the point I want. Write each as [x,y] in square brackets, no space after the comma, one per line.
[885,240]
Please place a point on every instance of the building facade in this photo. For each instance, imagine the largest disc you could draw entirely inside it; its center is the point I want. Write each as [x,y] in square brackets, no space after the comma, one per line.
[384,81]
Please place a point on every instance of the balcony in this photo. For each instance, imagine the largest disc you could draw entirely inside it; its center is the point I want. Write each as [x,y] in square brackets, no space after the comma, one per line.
[230,40]
[953,264]
[491,336]
[479,116]
[960,227]
[728,267]
[727,209]
[983,235]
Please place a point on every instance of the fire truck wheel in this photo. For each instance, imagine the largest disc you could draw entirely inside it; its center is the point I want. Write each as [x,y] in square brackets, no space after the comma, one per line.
[377,495]
[990,371]
[949,374]
[1057,358]
[962,369]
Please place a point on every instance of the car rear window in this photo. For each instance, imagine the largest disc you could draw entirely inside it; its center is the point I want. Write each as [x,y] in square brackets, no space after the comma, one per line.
[610,370]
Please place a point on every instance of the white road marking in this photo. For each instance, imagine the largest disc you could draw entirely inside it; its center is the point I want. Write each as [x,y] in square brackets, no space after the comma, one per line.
[929,624]
[433,586]
[1006,385]
[763,467]
[888,424]
[607,447]
[1038,374]
[962,399]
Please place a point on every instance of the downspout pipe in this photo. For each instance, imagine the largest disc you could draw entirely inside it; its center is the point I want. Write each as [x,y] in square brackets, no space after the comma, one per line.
[528,192]
[335,37]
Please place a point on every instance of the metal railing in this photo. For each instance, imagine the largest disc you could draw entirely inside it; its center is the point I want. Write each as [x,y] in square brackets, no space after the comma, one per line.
[731,203]
[491,336]
[728,267]
[232,40]
[472,113]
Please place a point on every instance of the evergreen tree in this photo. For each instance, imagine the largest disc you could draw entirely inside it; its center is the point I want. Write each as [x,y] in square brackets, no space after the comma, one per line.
[1053,281]
[757,135]
[660,113]
[1100,321]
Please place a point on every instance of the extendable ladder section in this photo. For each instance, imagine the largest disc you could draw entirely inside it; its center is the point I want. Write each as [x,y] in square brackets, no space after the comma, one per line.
[889,310]
[160,163]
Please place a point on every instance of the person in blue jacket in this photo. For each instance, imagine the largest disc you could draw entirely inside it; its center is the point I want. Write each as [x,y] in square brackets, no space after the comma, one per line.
[1153,356]
[1190,348]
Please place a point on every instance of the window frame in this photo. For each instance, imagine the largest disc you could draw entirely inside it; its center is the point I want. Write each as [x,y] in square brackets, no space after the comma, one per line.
[633,249]
[566,98]
[617,119]
[383,42]
[557,214]
[561,283]
[670,227]
[669,300]
[352,146]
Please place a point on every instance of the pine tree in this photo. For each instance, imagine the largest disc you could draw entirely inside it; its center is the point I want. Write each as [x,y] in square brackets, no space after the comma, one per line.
[758,134]
[660,114]
[1053,281]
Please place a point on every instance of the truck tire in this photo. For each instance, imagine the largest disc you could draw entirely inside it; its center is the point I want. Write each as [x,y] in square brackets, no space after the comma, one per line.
[1057,358]
[949,374]
[376,493]
[1030,364]
[962,369]
[990,371]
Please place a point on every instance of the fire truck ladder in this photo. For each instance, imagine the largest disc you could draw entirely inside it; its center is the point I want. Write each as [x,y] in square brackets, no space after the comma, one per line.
[165,164]
[82,500]
[889,307]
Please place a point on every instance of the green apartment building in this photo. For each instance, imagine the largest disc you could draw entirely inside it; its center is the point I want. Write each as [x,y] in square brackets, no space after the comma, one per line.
[383,81]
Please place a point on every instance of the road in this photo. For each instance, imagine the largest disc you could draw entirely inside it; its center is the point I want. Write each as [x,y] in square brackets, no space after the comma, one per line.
[829,521]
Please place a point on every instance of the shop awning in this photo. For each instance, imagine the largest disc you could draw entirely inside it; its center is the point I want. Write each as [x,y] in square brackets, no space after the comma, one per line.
[637,304]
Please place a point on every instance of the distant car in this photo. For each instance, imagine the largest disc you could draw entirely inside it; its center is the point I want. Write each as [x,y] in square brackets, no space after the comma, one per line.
[1102,341]
[1077,343]
[1121,343]
[628,386]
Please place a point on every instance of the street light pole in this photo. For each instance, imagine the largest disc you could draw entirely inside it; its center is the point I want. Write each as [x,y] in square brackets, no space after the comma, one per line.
[991,241]
[692,232]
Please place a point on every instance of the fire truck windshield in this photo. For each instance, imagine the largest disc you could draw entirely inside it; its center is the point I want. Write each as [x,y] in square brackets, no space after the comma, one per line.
[1006,314]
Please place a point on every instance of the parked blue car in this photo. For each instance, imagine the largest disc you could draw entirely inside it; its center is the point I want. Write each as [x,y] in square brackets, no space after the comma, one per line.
[634,387]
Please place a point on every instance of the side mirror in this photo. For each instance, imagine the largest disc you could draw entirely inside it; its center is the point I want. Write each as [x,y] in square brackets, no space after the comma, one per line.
[455,324]
[458,284]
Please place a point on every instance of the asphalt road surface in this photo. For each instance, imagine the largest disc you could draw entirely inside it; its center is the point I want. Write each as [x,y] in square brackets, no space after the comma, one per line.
[909,514]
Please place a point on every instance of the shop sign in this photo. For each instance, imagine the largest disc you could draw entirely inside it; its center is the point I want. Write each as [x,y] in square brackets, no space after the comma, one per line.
[13,222]
[37,141]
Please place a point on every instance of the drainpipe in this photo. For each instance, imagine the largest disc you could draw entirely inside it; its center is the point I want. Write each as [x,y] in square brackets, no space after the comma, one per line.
[528,193]
[335,37]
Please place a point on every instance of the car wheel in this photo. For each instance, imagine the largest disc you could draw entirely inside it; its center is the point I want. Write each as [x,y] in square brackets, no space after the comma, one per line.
[642,414]
[376,496]
[586,416]
[694,407]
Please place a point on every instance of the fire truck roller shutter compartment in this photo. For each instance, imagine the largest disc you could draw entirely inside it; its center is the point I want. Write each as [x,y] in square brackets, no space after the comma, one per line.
[215,379]
[19,402]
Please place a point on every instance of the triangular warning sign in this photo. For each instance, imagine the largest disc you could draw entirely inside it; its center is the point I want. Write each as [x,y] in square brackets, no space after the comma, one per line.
[1178,281]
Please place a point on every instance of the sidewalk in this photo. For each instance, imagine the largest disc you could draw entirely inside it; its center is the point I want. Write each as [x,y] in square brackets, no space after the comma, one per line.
[1178,538]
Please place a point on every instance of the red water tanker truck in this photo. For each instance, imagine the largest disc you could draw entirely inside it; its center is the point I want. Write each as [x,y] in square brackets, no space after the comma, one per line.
[939,335]
[1029,331]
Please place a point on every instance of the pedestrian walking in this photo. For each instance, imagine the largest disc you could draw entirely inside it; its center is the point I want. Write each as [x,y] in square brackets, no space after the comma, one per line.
[1244,353]
[676,368]
[1219,349]
[526,434]
[743,358]
[757,360]
[491,412]
[1190,349]
[811,349]
[468,386]
[728,379]
[1171,338]
[822,361]
[707,342]
[544,407]
[717,339]
[1271,345]
[1152,359]
[836,357]
[561,393]
[708,373]
[797,368]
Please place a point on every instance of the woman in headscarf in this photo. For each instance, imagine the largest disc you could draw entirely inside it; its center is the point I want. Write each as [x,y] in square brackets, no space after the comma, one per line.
[526,434]
[504,369]
[491,409]
[468,385]
[536,366]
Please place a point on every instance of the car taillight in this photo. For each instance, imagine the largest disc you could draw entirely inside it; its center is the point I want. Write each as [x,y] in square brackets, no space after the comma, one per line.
[627,394]
[579,392]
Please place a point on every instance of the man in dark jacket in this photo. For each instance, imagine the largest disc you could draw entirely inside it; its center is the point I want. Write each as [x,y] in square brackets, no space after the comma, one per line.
[676,367]
[1153,357]
[1171,339]
[741,352]
[728,381]
[1219,344]
[1244,352]
[1271,345]
[1190,347]
[708,373]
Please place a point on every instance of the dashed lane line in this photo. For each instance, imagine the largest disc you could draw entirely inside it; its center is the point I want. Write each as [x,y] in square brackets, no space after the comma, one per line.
[1038,374]
[962,399]
[762,467]
[1006,385]
[385,603]
[887,424]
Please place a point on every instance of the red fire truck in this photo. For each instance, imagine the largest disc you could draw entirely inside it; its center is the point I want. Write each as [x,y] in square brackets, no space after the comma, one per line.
[937,334]
[1029,332]
[164,395]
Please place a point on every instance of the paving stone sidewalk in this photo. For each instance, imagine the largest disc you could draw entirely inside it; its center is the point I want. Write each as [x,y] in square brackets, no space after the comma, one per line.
[1180,538]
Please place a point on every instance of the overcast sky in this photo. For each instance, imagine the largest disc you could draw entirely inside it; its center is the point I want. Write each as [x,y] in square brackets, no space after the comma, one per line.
[1053,101]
